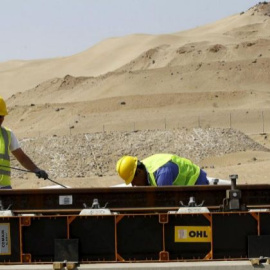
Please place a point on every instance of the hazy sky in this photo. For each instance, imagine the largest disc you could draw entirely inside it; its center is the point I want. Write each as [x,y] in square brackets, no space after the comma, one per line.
[33,29]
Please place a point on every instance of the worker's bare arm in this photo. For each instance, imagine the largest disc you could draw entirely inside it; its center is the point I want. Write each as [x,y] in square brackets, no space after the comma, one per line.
[24,160]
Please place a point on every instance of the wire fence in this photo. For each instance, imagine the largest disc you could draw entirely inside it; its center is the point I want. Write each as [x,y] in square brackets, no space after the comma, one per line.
[249,122]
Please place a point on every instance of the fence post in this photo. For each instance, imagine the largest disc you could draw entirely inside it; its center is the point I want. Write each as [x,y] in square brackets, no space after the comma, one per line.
[262,122]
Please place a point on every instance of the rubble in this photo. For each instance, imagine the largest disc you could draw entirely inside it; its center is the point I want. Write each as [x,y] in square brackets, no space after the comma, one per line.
[95,154]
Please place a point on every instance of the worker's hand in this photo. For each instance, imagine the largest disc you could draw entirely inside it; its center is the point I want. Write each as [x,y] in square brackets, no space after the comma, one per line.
[41,174]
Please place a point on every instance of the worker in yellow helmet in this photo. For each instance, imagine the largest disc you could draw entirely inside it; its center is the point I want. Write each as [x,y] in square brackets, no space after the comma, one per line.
[9,143]
[160,170]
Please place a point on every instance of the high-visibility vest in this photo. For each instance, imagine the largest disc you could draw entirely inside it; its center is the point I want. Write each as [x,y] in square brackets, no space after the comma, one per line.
[188,172]
[5,140]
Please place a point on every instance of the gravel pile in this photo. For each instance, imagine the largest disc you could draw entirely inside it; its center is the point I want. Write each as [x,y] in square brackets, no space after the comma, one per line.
[86,155]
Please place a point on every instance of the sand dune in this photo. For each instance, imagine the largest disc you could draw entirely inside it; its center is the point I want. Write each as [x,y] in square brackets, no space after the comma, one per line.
[220,41]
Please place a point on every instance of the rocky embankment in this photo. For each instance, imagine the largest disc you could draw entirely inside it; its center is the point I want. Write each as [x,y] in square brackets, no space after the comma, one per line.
[88,155]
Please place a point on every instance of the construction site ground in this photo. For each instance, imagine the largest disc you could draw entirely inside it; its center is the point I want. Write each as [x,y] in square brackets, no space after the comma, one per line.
[219,265]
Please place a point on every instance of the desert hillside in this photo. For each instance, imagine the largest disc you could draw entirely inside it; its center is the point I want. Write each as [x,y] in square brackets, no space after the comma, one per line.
[236,43]
[214,77]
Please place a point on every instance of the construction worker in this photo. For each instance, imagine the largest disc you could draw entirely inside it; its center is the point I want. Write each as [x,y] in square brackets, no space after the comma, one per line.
[160,170]
[9,143]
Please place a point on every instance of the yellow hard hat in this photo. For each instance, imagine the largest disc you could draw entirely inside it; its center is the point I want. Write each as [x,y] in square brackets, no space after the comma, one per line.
[3,108]
[126,167]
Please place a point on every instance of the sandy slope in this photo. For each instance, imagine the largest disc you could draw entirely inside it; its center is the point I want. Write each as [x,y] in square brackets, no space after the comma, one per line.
[217,75]
[178,49]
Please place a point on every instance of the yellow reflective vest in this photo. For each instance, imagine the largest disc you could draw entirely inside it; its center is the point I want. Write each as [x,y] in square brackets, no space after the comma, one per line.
[188,172]
[5,140]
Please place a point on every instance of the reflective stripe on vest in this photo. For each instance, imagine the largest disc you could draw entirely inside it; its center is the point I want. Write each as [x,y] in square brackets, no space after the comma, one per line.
[5,172]
[5,139]
[188,172]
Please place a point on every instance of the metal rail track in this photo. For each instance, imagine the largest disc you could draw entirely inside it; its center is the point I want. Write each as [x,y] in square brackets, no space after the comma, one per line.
[147,198]
[143,224]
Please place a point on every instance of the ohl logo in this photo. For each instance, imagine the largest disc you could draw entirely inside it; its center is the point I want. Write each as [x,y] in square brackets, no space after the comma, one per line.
[198,234]
[192,234]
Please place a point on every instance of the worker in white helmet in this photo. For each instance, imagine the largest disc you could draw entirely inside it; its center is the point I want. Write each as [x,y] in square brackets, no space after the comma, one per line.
[9,143]
[161,170]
